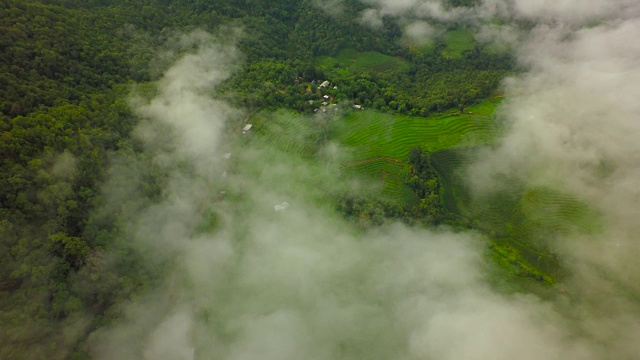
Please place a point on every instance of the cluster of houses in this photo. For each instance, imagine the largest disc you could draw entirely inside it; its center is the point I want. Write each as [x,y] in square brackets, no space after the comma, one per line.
[326,103]
[324,85]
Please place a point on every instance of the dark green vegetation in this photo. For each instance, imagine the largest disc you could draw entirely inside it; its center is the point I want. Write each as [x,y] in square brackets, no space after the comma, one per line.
[67,67]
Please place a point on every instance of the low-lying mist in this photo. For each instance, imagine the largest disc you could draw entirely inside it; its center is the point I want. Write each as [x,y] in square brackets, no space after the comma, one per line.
[245,281]
[573,126]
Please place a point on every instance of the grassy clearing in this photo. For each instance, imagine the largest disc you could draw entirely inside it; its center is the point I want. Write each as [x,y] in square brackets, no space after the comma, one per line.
[457,41]
[351,60]
[486,107]
[454,191]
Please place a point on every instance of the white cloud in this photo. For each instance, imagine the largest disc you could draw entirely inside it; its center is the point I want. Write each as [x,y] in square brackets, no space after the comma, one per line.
[371,18]
[420,32]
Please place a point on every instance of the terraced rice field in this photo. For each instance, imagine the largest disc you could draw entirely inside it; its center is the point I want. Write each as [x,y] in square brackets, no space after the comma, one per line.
[373,134]
[524,221]
[389,172]
[493,211]
[286,131]
[448,163]
[555,211]
[380,143]
[542,214]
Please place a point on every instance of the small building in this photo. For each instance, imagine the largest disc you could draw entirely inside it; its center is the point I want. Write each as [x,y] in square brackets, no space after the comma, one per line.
[324,84]
[246,128]
[357,107]
[335,87]
[326,97]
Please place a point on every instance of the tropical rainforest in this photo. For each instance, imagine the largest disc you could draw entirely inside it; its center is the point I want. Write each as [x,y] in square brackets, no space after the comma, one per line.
[401,117]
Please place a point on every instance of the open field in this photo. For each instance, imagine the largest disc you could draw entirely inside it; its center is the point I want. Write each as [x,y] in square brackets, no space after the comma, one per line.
[457,42]
[351,60]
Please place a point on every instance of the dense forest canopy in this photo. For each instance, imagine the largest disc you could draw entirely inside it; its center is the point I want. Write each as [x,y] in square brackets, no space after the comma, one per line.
[80,81]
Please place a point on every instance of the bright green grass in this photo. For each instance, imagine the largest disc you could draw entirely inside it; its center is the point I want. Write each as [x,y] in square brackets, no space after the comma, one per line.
[486,107]
[332,65]
[457,42]
[351,60]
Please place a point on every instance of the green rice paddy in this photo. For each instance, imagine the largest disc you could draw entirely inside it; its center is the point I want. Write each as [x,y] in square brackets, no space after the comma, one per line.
[285,130]
[373,134]
[380,142]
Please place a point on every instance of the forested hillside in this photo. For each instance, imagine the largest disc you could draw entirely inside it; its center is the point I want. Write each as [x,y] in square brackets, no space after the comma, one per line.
[67,68]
